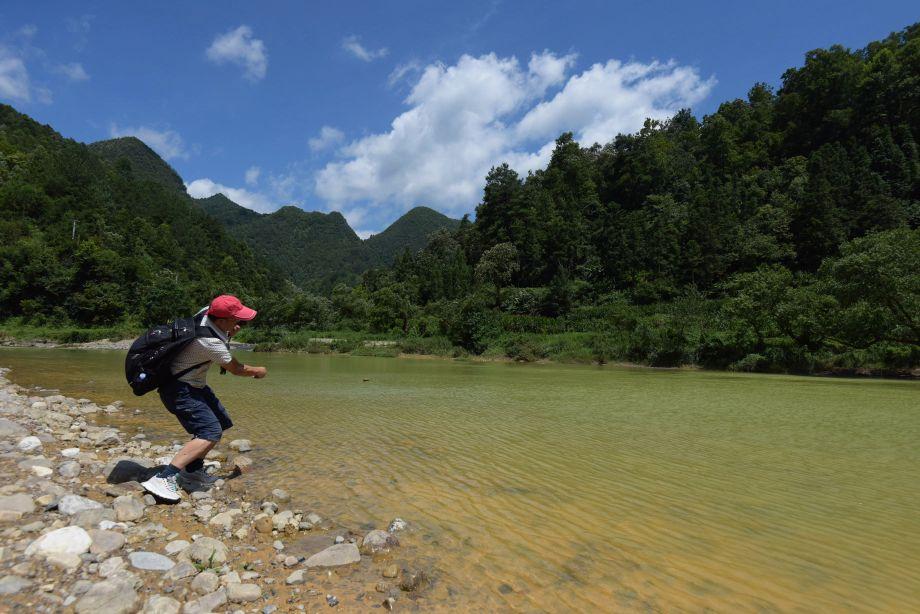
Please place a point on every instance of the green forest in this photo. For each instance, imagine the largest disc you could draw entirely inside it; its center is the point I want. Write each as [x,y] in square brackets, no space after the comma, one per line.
[778,234]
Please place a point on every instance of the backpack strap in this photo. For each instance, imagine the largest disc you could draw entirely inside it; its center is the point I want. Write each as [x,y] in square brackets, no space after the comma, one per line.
[192,368]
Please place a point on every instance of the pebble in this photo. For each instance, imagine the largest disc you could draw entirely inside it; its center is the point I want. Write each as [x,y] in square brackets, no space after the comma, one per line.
[391,571]
[277,545]
[176,546]
[161,604]
[296,577]
[70,469]
[128,507]
[397,524]
[11,584]
[281,495]
[241,445]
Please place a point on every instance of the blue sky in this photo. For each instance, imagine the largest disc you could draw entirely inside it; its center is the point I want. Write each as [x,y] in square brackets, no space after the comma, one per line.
[372,108]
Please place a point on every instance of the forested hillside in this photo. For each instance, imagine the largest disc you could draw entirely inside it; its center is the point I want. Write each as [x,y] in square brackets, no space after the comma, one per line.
[145,163]
[409,232]
[86,242]
[779,233]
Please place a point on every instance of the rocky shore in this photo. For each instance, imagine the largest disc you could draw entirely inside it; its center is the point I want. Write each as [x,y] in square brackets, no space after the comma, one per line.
[79,534]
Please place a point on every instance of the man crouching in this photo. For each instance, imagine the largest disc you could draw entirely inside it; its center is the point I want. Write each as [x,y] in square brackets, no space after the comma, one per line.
[192,401]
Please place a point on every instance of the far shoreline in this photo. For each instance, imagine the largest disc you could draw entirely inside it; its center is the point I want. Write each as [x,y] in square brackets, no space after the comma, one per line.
[391,349]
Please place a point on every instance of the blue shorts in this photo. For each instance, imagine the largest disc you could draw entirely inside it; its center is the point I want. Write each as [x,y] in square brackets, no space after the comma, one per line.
[199,411]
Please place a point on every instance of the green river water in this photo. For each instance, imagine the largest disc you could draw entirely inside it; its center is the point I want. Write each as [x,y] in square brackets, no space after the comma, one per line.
[583,488]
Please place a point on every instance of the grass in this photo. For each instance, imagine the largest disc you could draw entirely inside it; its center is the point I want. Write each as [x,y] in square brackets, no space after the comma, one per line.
[14,329]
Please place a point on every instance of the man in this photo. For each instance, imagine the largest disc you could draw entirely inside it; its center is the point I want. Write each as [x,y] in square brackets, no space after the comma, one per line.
[191,400]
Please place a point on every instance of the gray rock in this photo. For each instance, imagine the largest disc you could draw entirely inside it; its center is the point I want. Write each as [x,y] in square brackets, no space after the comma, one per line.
[90,519]
[113,596]
[296,577]
[283,520]
[378,541]
[281,495]
[12,507]
[105,542]
[151,561]
[70,469]
[29,444]
[69,540]
[205,582]
[161,604]
[182,569]
[225,519]
[398,524]
[333,556]
[243,593]
[176,546]
[207,550]
[314,518]
[208,603]
[128,507]
[8,428]
[35,461]
[71,504]
[10,585]
[111,566]
[64,560]
[241,445]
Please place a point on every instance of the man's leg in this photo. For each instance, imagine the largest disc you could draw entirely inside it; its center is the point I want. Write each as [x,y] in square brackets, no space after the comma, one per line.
[193,450]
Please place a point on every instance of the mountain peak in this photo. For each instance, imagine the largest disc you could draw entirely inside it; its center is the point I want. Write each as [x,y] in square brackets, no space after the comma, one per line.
[146,164]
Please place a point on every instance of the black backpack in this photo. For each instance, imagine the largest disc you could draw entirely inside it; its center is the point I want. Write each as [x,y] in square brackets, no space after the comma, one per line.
[147,366]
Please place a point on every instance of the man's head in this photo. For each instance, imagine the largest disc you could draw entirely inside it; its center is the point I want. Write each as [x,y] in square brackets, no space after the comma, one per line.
[228,313]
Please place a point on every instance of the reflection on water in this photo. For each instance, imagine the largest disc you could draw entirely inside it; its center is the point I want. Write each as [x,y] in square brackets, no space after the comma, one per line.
[551,488]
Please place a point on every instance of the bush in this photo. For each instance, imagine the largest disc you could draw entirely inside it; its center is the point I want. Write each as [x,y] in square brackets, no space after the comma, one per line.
[518,347]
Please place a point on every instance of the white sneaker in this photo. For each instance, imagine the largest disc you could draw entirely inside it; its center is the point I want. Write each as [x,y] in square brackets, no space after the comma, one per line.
[164,488]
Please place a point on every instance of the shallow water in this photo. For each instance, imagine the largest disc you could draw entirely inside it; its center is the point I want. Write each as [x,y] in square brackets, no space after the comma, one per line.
[584,488]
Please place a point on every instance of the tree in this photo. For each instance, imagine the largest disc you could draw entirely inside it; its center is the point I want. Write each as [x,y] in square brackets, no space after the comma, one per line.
[496,267]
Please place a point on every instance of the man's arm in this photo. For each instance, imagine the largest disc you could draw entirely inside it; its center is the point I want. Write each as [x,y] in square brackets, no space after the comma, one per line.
[237,368]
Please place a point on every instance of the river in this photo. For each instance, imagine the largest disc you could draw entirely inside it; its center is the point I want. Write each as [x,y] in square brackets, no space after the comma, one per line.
[559,488]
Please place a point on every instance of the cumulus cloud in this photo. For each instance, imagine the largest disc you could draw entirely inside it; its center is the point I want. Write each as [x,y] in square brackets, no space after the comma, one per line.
[203,188]
[465,118]
[252,175]
[239,47]
[327,137]
[73,71]
[14,78]
[167,143]
[352,44]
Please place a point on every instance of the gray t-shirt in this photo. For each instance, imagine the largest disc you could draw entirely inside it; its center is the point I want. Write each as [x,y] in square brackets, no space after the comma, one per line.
[202,350]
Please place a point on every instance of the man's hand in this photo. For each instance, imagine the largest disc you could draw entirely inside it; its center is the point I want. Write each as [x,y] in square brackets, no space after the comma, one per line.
[237,368]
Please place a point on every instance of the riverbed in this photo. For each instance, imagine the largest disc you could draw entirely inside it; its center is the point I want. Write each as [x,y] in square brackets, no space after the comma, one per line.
[552,487]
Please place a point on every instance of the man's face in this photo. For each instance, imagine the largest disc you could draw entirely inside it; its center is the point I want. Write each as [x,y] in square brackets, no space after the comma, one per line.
[231,326]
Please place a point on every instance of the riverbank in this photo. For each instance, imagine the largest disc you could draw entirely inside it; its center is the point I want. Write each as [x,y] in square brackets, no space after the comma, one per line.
[569,348]
[79,534]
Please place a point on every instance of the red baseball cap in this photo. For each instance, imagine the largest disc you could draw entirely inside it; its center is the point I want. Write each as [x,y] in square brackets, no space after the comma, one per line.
[228,306]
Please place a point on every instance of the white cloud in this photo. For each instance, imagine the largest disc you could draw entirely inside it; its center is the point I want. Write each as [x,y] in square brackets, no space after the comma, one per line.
[352,45]
[167,143]
[465,118]
[203,188]
[73,71]
[14,78]
[239,47]
[328,136]
[252,175]
[402,71]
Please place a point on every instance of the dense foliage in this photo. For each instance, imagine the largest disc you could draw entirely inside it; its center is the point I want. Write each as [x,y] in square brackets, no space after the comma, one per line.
[779,233]
[90,243]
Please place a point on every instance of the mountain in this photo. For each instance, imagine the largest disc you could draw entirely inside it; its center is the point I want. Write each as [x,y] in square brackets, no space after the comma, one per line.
[88,241]
[409,232]
[314,250]
[145,164]
[318,250]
